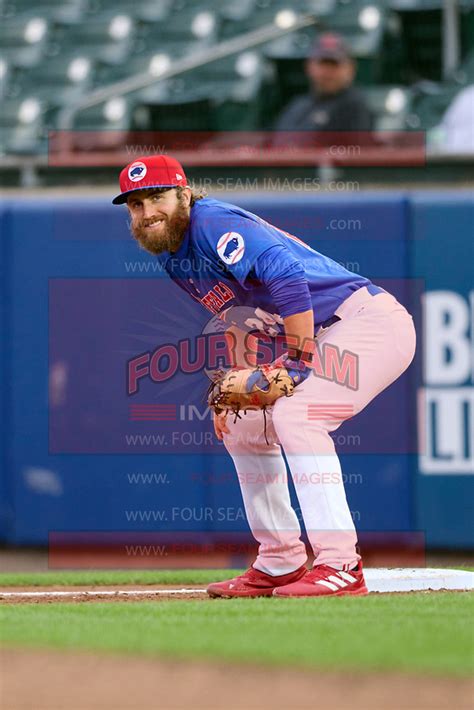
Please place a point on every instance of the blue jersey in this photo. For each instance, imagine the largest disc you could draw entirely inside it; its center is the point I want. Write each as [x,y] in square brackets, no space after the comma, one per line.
[216,262]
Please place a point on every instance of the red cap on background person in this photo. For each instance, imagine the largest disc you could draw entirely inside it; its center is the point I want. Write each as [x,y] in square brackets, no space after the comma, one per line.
[330,47]
[148,172]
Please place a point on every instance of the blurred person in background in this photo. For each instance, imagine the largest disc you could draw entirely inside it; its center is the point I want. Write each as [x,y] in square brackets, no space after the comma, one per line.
[455,133]
[333,103]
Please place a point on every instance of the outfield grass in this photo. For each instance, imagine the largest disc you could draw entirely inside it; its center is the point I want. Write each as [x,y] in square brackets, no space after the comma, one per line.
[114,577]
[419,632]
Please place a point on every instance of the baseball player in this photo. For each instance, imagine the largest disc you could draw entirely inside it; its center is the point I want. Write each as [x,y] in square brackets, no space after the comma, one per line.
[348,340]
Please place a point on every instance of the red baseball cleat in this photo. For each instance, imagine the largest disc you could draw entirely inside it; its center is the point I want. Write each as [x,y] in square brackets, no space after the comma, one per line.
[254,583]
[325,581]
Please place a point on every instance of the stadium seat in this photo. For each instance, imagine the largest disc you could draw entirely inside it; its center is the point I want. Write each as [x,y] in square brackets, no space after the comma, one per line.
[102,127]
[245,69]
[187,25]
[244,7]
[187,33]
[23,39]
[107,37]
[21,126]
[144,10]
[154,63]
[57,81]
[280,13]
[223,95]
[390,105]
[66,11]
[429,103]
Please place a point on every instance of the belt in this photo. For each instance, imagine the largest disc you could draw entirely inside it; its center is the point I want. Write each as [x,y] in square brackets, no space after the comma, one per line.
[371,288]
[330,321]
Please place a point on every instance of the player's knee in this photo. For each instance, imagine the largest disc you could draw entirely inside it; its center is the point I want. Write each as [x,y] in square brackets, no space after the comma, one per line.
[290,429]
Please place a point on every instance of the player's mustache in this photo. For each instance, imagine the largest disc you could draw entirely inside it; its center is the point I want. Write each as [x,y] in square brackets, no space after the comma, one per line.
[142,224]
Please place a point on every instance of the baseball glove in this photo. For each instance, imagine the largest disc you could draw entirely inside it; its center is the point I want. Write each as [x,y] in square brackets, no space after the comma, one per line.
[243,389]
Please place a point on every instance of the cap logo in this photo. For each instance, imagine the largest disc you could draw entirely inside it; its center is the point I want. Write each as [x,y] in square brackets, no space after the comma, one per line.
[136,171]
[178,176]
[231,247]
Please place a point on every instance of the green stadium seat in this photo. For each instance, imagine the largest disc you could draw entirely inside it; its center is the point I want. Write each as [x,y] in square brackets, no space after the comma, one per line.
[107,37]
[223,95]
[104,126]
[390,105]
[57,81]
[273,12]
[21,126]
[189,25]
[429,104]
[23,39]
[155,62]
[66,11]
[216,6]
[140,65]
[241,87]
[245,69]
[144,10]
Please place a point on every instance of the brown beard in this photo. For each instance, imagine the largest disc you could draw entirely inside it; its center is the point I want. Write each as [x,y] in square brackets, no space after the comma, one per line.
[171,237]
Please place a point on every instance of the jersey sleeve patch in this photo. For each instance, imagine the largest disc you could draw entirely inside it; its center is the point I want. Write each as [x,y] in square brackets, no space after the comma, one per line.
[231,247]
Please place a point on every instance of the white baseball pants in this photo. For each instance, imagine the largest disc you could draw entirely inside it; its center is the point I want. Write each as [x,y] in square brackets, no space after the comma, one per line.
[379,333]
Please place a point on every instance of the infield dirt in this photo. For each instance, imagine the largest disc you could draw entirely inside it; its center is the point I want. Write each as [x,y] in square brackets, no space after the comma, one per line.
[56,680]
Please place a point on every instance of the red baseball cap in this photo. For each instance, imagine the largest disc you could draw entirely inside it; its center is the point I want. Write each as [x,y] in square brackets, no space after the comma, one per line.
[148,172]
[330,46]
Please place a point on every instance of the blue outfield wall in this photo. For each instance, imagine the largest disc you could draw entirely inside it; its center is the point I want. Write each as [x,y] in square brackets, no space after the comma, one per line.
[81,453]
[442,254]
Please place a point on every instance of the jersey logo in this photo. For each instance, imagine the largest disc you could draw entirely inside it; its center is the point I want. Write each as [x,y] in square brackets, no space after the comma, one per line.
[231,247]
[137,171]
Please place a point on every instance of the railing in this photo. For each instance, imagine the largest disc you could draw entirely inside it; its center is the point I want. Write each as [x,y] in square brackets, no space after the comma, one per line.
[222,50]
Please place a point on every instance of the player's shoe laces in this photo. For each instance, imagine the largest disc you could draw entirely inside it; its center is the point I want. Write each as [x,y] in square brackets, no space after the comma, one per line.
[325,581]
[254,583]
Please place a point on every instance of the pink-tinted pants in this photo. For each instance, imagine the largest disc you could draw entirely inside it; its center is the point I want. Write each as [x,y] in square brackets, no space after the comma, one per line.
[377,334]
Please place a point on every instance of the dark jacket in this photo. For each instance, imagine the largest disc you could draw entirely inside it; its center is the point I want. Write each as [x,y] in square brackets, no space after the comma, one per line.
[345,111]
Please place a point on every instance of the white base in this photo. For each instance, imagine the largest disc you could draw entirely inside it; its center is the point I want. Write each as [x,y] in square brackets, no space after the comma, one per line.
[418,579]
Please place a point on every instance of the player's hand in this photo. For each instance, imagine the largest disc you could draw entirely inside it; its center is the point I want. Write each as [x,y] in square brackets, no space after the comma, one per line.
[220,425]
[297,370]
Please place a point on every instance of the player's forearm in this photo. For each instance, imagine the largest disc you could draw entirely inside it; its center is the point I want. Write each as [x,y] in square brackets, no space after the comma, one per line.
[299,331]
[242,347]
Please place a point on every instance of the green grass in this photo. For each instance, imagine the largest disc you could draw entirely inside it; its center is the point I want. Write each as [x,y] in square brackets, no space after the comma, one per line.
[113,577]
[104,577]
[429,633]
